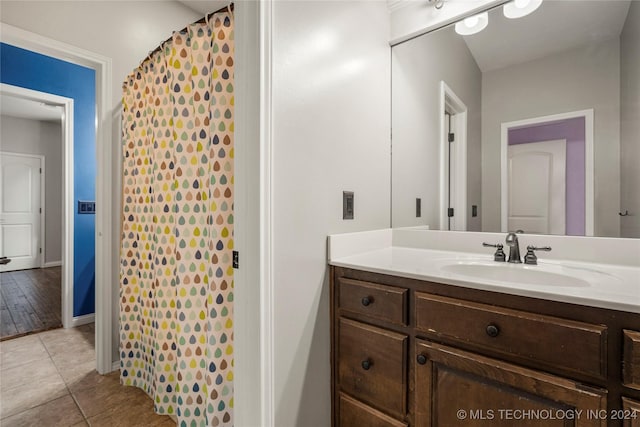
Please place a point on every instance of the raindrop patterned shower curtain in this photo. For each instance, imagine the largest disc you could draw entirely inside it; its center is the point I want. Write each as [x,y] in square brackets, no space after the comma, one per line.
[176,281]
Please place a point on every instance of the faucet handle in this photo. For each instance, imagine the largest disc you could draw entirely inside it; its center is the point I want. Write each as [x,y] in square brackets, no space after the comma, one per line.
[531,258]
[538,248]
[499,255]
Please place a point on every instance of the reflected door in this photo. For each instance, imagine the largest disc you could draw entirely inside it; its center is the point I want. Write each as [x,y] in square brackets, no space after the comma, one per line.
[537,187]
[20,211]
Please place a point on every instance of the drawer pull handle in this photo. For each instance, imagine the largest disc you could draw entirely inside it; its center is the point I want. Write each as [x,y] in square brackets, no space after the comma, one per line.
[421,359]
[366,364]
[366,301]
[493,330]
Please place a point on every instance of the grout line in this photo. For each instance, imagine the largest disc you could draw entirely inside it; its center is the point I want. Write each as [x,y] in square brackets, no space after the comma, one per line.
[66,385]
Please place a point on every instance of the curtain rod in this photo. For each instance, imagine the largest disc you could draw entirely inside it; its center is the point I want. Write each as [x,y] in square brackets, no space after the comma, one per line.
[229,7]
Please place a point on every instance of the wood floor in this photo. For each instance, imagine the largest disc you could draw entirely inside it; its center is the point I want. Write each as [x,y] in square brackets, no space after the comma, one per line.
[30,301]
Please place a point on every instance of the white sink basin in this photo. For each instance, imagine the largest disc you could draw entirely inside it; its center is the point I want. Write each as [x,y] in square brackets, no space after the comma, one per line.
[515,273]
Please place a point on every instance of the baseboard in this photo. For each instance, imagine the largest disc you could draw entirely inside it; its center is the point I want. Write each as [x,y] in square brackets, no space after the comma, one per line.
[52,264]
[82,320]
[115,366]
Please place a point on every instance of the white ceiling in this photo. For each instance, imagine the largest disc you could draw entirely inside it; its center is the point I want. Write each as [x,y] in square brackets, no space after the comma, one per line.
[558,25]
[27,109]
[204,6]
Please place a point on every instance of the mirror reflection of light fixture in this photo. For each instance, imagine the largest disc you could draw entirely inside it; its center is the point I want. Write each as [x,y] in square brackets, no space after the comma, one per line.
[520,8]
[473,24]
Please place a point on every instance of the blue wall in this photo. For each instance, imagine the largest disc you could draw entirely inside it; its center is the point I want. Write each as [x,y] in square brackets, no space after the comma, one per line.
[19,67]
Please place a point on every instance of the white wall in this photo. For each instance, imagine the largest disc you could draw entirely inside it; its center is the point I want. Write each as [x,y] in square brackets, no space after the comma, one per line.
[125,31]
[579,79]
[418,66]
[18,135]
[630,123]
[331,115]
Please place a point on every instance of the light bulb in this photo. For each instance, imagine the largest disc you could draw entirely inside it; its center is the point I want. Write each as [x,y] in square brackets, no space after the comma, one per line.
[471,21]
[472,24]
[520,8]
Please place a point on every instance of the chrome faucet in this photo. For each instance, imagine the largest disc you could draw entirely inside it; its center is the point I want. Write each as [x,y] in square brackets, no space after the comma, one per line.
[514,247]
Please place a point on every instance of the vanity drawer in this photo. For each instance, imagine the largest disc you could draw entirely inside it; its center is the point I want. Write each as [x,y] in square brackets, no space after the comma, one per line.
[631,359]
[581,347]
[357,414]
[372,365]
[386,303]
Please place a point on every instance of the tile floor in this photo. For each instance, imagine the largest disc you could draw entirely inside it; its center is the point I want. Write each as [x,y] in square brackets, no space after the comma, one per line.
[49,379]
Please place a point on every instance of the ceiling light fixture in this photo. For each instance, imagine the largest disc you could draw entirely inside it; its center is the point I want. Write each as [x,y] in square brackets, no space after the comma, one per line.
[473,24]
[520,8]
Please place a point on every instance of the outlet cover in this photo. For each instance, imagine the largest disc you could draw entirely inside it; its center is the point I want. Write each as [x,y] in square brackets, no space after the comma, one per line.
[347,205]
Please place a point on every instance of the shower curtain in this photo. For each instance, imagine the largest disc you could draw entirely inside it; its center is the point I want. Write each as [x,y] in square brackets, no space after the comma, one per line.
[176,277]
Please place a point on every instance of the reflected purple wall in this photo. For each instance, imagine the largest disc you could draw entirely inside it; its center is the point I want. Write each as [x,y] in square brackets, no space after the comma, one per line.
[573,130]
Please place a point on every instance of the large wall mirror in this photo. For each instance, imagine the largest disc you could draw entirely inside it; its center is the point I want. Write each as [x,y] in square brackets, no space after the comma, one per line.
[532,123]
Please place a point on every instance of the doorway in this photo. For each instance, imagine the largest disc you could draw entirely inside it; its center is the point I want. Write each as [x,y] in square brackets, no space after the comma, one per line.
[36,182]
[35,44]
[453,160]
[576,130]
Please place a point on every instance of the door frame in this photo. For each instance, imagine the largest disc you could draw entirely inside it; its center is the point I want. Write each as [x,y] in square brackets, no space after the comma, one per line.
[450,102]
[41,237]
[104,229]
[67,191]
[589,163]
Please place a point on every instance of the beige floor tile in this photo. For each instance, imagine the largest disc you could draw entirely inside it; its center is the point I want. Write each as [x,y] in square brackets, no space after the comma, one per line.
[29,395]
[34,373]
[104,396]
[61,412]
[69,343]
[137,411]
[72,374]
[21,351]
[93,379]
[66,362]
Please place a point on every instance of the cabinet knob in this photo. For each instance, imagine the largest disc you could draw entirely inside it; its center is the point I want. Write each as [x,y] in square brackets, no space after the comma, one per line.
[493,330]
[366,301]
[366,364]
[421,359]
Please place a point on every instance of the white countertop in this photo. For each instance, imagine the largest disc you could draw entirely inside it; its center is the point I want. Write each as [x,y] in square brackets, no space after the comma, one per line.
[611,286]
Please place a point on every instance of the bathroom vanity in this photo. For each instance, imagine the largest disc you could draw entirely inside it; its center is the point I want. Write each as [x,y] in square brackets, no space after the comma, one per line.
[413,345]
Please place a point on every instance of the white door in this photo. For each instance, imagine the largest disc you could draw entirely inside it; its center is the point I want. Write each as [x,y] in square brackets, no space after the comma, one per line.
[537,187]
[20,211]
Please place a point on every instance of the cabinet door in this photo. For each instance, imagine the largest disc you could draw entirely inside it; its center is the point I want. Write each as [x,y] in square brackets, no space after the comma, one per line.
[630,413]
[458,388]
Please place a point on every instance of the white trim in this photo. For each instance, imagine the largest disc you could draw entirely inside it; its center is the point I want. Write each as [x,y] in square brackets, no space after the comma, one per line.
[450,101]
[267,285]
[43,210]
[588,169]
[51,264]
[115,366]
[67,188]
[82,320]
[103,268]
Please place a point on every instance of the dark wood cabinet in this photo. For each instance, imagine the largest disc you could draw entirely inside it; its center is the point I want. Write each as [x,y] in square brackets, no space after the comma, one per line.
[458,388]
[408,352]
[631,363]
[630,413]
[373,365]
